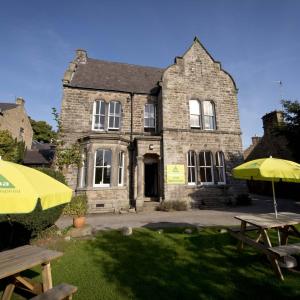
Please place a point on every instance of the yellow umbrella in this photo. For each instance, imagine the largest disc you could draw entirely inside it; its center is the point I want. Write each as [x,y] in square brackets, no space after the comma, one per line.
[269,169]
[22,187]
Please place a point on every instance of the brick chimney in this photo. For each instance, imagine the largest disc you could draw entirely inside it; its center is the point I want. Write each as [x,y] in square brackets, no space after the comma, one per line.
[272,120]
[255,139]
[20,101]
[81,56]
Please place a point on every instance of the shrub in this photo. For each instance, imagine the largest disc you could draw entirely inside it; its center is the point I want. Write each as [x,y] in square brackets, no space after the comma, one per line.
[17,229]
[59,176]
[77,207]
[243,199]
[173,205]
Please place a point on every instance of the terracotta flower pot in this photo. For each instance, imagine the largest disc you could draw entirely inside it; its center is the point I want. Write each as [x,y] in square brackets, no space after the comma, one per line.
[78,222]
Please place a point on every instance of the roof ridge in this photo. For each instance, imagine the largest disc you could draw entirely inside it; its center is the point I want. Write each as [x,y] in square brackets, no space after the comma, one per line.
[122,63]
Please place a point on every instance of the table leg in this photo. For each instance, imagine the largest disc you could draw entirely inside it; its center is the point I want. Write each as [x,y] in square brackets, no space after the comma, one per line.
[266,237]
[276,267]
[9,289]
[284,235]
[47,277]
[241,244]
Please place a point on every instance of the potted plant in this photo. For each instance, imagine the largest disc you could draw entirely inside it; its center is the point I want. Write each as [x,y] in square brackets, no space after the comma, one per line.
[77,208]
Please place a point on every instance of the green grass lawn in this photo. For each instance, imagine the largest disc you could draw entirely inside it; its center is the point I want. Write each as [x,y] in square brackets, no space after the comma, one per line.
[168,265]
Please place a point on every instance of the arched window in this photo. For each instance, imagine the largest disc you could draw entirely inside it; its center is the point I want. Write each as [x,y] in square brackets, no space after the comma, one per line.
[121,169]
[149,116]
[195,114]
[102,167]
[220,167]
[114,115]
[98,115]
[191,164]
[206,167]
[209,122]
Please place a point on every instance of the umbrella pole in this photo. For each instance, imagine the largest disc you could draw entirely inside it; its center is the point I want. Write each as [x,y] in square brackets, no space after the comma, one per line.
[275,209]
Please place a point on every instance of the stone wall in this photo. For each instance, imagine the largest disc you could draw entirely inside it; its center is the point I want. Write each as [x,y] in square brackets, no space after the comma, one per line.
[197,76]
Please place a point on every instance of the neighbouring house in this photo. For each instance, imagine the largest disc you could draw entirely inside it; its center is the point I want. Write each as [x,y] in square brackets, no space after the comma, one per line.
[13,117]
[275,145]
[152,134]
[40,155]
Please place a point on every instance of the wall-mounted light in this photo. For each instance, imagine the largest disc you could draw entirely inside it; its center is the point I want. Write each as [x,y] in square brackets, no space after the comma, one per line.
[151,147]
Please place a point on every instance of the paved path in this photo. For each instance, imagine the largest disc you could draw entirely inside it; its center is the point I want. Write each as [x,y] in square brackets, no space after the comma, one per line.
[157,219]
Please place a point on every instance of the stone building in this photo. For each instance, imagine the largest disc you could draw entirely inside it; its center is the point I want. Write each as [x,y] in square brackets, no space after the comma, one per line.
[148,134]
[13,117]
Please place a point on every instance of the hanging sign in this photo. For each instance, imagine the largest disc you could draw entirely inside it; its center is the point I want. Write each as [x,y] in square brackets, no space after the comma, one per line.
[175,174]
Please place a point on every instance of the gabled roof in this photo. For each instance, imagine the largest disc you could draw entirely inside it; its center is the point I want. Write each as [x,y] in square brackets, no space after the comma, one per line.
[7,106]
[114,76]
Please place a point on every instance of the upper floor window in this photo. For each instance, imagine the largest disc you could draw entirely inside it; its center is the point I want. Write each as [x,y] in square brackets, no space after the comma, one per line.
[121,169]
[206,167]
[99,115]
[195,114]
[149,116]
[220,167]
[191,163]
[114,115]
[102,168]
[208,115]
[202,114]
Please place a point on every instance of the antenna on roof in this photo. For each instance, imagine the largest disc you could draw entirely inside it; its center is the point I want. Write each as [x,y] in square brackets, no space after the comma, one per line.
[280,89]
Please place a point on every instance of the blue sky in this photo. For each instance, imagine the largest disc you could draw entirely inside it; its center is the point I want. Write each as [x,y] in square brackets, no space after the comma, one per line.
[257,42]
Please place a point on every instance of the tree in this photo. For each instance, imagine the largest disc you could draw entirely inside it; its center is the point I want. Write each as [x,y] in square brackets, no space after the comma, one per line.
[42,131]
[10,148]
[291,127]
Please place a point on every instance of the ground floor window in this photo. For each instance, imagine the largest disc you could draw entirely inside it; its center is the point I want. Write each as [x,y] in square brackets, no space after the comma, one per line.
[191,167]
[121,169]
[220,167]
[202,168]
[206,167]
[102,167]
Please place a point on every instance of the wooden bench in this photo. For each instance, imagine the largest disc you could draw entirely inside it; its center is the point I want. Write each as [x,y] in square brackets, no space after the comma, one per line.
[285,250]
[59,292]
[237,229]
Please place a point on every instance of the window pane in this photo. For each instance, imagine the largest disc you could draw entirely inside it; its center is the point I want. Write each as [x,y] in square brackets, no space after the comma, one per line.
[97,122]
[147,122]
[194,107]
[151,123]
[117,108]
[102,109]
[201,159]
[120,176]
[111,122]
[202,175]
[111,107]
[107,158]
[102,121]
[208,158]
[208,175]
[195,120]
[208,108]
[97,107]
[99,158]
[98,175]
[117,122]
[191,175]
[106,176]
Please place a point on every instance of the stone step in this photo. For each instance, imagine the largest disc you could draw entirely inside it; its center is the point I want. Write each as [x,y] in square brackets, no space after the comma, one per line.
[150,206]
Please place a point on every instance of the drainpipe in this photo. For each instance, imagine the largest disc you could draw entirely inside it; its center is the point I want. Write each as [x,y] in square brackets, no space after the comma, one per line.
[131,153]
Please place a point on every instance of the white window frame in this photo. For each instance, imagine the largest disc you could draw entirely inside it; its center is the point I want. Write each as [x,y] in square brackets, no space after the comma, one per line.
[83,170]
[192,168]
[220,166]
[148,117]
[194,114]
[211,167]
[114,115]
[211,116]
[102,102]
[121,166]
[103,167]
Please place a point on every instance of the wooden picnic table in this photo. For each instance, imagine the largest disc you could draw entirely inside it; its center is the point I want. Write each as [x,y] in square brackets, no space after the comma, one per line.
[14,261]
[262,224]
